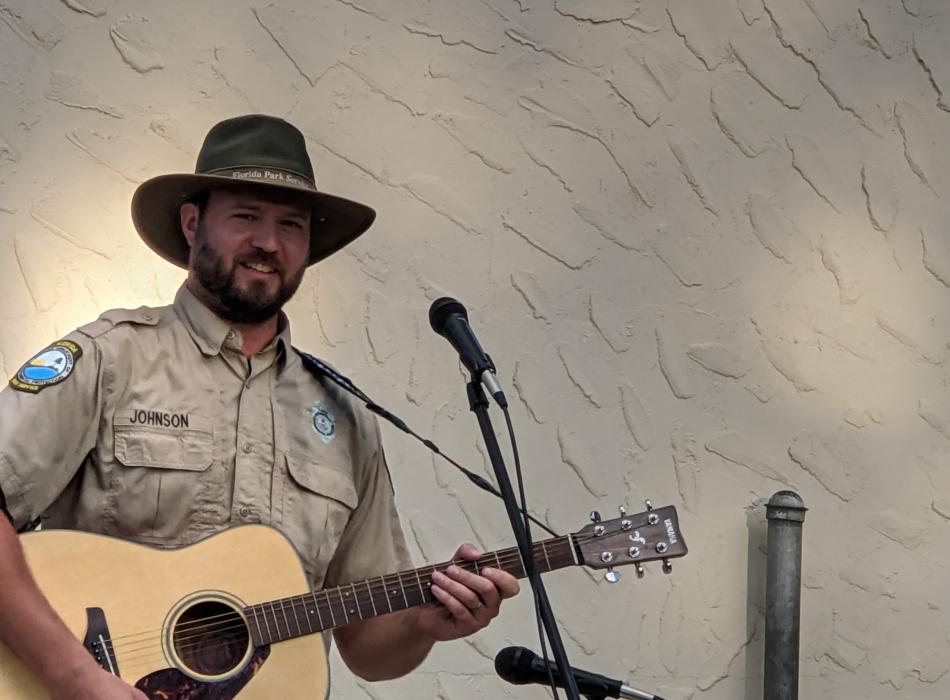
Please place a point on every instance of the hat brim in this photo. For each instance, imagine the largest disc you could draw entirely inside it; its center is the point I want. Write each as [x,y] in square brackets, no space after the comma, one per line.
[334,221]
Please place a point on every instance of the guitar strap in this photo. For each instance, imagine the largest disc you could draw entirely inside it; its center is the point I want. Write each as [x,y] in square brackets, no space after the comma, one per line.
[320,370]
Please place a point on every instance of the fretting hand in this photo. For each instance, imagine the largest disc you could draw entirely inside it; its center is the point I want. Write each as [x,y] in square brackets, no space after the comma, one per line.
[469,601]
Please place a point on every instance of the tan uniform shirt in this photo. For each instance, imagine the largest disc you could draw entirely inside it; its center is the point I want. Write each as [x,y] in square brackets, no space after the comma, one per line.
[164,433]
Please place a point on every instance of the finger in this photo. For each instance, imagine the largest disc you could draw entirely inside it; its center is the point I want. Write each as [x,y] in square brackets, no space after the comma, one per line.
[455,606]
[470,598]
[468,551]
[483,587]
[507,585]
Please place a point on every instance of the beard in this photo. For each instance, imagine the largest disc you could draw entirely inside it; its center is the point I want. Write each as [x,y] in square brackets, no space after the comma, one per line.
[254,303]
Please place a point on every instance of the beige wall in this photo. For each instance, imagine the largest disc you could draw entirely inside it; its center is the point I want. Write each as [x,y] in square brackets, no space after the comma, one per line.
[705,242]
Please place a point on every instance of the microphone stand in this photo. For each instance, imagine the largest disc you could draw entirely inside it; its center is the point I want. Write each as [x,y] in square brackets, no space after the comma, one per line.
[478,402]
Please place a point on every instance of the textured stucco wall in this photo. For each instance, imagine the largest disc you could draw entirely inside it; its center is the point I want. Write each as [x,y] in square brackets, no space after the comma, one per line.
[704,241]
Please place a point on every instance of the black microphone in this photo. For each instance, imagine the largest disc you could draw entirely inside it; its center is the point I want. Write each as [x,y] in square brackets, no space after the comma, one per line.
[449,319]
[521,666]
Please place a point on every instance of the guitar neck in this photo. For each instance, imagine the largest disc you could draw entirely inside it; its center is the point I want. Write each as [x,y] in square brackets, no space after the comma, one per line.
[287,618]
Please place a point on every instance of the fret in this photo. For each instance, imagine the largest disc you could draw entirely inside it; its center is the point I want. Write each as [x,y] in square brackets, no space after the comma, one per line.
[257,622]
[356,599]
[399,576]
[346,608]
[546,559]
[520,560]
[283,611]
[573,548]
[270,637]
[326,595]
[293,607]
[419,582]
[286,621]
[316,606]
[371,600]
[385,594]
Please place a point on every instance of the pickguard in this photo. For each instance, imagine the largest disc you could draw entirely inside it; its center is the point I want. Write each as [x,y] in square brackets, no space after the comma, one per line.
[172,684]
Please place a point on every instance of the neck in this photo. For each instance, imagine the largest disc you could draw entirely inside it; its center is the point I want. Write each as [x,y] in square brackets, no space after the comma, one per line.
[287,618]
[254,336]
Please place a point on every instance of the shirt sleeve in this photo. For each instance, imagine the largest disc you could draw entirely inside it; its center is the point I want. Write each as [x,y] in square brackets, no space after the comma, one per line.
[48,429]
[373,543]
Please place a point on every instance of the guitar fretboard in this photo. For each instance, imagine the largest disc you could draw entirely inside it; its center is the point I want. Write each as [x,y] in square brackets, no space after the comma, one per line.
[286,618]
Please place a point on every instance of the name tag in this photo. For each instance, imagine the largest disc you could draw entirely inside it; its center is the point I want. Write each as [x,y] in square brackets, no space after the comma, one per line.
[156,418]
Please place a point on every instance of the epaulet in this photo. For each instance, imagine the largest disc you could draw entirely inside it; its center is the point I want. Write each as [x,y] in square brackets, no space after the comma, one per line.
[142,316]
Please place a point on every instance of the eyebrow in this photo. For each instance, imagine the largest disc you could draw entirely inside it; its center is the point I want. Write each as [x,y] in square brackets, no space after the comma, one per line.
[254,205]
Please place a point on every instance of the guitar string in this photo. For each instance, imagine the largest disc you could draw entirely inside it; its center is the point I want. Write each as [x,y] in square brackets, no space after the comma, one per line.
[509,557]
[140,656]
[321,598]
[505,557]
[396,579]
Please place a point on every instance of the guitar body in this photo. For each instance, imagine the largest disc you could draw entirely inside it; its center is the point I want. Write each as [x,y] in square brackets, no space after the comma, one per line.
[142,590]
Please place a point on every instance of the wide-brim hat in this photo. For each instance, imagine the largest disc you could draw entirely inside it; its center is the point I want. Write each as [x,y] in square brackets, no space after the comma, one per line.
[251,150]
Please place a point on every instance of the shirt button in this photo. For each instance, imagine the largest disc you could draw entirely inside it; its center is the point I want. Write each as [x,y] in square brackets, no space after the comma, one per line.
[230,335]
[147,317]
[247,448]
[245,512]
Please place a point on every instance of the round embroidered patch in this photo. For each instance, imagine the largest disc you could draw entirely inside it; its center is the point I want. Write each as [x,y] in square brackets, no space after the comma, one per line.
[47,367]
[323,423]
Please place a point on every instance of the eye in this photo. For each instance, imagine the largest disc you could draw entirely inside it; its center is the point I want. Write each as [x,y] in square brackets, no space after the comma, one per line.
[293,223]
[247,216]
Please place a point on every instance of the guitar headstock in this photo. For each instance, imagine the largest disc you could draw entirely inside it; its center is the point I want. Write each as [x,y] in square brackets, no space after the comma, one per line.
[631,539]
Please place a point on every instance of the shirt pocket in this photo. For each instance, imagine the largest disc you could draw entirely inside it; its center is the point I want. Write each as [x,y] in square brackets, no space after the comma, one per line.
[157,476]
[316,504]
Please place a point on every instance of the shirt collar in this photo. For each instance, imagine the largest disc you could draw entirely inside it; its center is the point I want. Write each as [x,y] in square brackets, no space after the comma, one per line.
[210,332]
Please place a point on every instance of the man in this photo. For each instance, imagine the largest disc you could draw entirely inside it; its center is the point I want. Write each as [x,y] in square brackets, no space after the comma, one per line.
[164,426]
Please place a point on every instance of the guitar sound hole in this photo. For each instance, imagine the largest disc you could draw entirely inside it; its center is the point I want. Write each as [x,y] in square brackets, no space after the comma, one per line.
[210,638]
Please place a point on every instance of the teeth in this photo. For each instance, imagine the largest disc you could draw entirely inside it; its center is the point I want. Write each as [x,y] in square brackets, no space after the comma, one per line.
[259,267]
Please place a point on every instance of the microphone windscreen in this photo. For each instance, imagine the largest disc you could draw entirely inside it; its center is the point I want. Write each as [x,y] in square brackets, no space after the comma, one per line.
[513,664]
[441,310]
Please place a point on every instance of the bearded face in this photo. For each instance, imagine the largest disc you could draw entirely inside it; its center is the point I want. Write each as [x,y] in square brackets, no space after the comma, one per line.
[251,287]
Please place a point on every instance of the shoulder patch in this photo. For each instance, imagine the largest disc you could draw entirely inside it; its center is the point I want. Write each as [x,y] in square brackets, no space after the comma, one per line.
[47,367]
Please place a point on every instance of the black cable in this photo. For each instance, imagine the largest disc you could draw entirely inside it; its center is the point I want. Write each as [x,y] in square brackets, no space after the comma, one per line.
[319,369]
[527,529]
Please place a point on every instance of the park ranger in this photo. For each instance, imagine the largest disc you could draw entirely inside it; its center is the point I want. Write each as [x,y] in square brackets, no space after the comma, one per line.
[166,425]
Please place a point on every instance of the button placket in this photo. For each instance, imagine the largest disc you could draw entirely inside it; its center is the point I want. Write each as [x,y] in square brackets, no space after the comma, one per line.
[252,471]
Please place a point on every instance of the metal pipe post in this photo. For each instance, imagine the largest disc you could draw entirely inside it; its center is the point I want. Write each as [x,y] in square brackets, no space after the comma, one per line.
[783,592]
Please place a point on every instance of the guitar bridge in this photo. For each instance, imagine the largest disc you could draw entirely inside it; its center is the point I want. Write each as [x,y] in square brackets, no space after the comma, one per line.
[98,641]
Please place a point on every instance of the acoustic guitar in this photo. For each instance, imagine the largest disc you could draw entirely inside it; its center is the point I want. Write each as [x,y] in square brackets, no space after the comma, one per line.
[225,617]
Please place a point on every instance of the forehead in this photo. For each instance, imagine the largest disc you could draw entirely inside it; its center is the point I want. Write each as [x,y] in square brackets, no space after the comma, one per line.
[259,196]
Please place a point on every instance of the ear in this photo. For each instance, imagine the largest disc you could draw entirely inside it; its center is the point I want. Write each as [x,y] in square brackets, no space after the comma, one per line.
[189,215]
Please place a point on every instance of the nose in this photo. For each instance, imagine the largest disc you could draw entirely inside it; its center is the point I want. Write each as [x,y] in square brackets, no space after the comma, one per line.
[266,235]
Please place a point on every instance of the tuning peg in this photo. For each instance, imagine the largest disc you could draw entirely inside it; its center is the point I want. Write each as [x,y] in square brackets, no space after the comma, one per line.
[623,511]
[612,576]
[595,516]
[667,567]
[649,504]
[640,571]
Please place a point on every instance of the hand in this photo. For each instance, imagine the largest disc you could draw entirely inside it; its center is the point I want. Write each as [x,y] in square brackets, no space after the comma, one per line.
[469,601]
[97,684]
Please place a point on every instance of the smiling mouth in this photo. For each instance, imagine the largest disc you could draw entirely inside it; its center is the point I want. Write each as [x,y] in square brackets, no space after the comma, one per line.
[259,267]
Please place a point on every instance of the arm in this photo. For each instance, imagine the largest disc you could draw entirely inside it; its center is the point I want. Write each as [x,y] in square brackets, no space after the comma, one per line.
[392,645]
[33,630]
